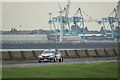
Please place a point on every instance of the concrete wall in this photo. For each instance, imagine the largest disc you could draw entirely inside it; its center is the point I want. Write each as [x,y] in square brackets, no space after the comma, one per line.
[116,52]
[101,53]
[6,55]
[110,52]
[37,53]
[72,53]
[81,53]
[92,53]
[63,53]
[0,55]
[17,55]
[28,54]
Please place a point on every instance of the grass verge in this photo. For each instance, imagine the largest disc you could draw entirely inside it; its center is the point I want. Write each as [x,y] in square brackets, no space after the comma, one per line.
[77,70]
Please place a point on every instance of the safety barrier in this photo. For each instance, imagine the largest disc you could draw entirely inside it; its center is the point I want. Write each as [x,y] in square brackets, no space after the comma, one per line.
[63,53]
[0,55]
[110,52]
[16,55]
[37,53]
[72,53]
[81,53]
[6,55]
[101,52]
[92,53]
[116,51]
[28,54]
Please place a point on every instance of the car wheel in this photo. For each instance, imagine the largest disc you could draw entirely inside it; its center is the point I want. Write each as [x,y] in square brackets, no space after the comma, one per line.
[39,61]
[60,59]
[55,59]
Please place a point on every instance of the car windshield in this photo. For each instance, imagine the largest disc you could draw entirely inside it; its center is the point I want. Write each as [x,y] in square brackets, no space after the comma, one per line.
[48,52]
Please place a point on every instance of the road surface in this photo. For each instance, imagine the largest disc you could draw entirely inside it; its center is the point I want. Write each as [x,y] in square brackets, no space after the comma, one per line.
[52,63]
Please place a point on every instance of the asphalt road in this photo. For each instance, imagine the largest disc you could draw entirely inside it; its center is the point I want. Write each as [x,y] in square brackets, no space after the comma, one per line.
[52,63]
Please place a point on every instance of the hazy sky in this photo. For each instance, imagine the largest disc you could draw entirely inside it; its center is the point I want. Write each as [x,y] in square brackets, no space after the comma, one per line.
[34,15]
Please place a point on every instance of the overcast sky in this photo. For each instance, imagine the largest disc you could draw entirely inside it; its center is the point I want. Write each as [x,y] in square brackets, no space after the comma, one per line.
[34,15]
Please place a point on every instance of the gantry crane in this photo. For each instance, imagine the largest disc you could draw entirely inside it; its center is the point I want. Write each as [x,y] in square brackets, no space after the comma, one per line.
[64,20]
[110,22]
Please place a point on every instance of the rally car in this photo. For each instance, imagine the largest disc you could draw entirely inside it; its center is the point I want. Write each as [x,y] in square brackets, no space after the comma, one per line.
[50,55]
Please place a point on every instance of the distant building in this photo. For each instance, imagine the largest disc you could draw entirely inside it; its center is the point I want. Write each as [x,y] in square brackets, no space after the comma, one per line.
[13,29]
[79,37]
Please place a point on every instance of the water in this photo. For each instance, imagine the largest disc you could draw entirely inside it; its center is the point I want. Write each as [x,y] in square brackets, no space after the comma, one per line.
[67,45]
[32,42]
[36,37]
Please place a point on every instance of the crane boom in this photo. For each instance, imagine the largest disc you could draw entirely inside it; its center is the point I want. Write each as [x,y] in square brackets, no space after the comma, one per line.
[59,6]
[67,9]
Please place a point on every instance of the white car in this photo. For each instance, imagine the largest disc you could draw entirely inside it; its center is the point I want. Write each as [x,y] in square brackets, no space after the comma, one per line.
[50,55]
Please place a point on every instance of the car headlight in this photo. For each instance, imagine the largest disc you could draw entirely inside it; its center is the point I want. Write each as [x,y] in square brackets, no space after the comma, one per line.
[58,55]
[40,56]
[51,56]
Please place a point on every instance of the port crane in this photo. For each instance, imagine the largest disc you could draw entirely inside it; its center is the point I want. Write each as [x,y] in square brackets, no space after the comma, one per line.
[64,20]
[110,22]
[78,20]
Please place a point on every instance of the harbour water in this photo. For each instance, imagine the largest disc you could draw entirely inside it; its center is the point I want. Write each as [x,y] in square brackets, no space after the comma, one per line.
[16,42]
[54,45]
[36,37]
